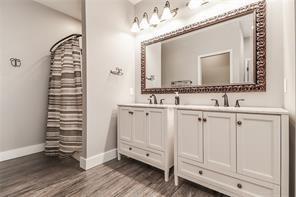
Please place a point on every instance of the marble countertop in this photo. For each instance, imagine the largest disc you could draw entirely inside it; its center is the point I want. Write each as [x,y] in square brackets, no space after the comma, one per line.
[258,110]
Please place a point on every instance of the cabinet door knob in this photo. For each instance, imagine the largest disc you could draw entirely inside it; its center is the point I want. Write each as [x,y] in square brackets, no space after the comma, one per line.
[239,123]
[147,114]
[147,155]
[239,186]
[199,119]
[130,148]
[200,172]
[204,119]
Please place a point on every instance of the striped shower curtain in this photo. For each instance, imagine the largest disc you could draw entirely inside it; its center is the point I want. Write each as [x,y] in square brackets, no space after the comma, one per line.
[64,122]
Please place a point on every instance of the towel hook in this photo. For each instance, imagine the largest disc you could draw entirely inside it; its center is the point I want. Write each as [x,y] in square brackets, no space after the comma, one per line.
[118,71]
[15,62]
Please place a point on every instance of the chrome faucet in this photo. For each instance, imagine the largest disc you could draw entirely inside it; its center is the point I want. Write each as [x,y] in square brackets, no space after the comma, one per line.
[154,98]
[226,103]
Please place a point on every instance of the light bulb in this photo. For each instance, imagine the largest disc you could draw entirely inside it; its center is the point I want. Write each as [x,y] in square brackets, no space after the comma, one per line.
[193,4]
[144,23]
[154,20]
[135,27]
[166,14]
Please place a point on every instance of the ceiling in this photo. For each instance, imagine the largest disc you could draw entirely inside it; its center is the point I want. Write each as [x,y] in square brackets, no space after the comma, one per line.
[69,7]
[134,1]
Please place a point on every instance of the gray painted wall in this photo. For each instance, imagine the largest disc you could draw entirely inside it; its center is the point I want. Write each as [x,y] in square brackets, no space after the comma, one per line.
[289,70]
[109,44]
[28,30]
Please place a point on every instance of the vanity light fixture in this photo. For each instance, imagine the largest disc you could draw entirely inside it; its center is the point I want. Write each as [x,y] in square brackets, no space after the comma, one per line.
[167,13]
[144,23]
[135,27]
[193,4]
[154,20]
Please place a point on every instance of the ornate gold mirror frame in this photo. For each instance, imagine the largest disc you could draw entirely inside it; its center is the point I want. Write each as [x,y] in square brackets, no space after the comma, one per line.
[259,10]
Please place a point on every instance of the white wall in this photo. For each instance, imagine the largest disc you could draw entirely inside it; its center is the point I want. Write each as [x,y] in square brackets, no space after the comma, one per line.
[273,97]
[289,74]
[28,30]
[109,44]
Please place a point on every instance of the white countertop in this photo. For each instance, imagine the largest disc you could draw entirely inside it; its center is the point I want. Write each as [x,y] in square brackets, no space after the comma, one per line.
[257,110]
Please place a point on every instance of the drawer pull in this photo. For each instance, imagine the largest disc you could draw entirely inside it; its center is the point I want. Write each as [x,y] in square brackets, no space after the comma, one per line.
[147,155]
[239,123]
[130,148]
[147,114]
[200,172]
[130,112]
[239,186]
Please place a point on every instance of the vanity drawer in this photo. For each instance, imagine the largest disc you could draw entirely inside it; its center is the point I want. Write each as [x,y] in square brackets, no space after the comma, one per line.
[252,190]
[154,158]
[132,150]
[188,169]
[237,187]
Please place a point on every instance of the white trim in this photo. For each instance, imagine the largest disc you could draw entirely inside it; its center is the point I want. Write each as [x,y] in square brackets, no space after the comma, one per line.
[87,163]
[20,152]
[199,67]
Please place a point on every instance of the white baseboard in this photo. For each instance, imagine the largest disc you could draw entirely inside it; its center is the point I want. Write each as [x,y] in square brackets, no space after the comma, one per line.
[87,163]
[20,152]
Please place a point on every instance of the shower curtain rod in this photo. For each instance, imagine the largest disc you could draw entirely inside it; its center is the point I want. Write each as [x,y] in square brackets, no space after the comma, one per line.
[64,39]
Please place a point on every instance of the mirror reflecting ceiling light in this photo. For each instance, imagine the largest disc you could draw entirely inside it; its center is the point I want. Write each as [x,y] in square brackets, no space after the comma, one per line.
[154,20]
[135,27]
[144,23]
[193,4]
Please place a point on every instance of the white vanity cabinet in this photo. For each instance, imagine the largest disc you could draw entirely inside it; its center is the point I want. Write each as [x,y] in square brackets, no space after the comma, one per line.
[239,152]
[146,134]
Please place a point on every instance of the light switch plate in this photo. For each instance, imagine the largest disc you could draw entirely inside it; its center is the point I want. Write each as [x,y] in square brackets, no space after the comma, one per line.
[132,92]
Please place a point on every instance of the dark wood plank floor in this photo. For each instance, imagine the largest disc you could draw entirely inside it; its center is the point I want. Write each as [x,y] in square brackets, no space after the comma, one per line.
[38,175]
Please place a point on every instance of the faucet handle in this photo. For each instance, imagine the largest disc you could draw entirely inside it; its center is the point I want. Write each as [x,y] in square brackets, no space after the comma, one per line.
[161,101]
[237,104]
[216,102]
[150,101]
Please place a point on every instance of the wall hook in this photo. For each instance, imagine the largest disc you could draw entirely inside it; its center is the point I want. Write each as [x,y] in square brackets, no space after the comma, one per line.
[151,78]
[118,71]
[15,62]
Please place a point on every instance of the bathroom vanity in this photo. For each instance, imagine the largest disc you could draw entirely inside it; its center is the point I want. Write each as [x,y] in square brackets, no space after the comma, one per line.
[145,133]
[236,151]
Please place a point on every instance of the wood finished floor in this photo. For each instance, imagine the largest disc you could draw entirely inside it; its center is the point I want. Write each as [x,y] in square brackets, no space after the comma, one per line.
[38,175]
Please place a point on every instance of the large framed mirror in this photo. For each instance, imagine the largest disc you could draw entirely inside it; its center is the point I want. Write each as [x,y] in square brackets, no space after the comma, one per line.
[226,53]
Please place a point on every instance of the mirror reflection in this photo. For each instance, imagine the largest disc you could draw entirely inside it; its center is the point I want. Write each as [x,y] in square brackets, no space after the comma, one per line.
[221,54]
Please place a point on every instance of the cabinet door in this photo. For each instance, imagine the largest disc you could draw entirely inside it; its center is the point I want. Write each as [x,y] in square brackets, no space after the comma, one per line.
[139,127]
[258,146]
[125,123]
[155,128]
[220,141]
[190,135]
